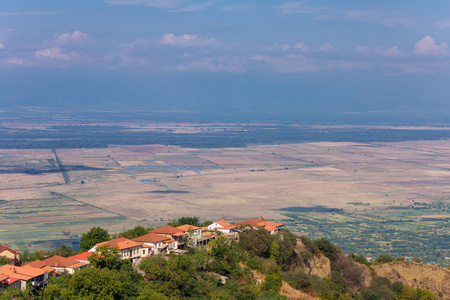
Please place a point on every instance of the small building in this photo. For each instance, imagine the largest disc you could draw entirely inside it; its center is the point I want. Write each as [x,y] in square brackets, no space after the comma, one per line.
[82,257]
[12,255]
[222,226]
[18,277]
[271,227]
[174,233]
[157,243]
[128,249]
[64,264]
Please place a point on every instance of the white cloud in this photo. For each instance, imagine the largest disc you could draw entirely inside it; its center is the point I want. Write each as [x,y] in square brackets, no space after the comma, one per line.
[340,64]
[211,64]
[327,48]
[169,4]
[362,49]
[392,51]
[427,46]
[55,53]
[195,7]
[291,63]
[14,61]
[2,46]
[76,36]
[187,40]
[285,47]
[302,47]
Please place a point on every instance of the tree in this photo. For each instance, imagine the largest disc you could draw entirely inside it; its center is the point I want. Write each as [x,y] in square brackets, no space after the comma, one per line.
[287,242]
[384,258]
[257,242]
[4,261]
[135,232]
[64,251]
[327,247]
[94,283]
[93,236]
[194,221]
[106,257]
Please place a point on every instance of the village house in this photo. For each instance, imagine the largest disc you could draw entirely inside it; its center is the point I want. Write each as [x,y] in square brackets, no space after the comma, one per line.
[39,264]
[18,277]
[157,243]
[12,255]
[63,264]
[271,227]
[128,249]
[82,257]
[222,226]
[171,232]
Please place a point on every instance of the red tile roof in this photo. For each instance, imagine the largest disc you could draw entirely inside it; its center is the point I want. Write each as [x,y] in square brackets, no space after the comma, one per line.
[223,223]
[268,225]
[121,243]
[6,248]
[63,262]
[187,227]
[23,273]
[82,256]
[166,230]
[39,264]
[151,238]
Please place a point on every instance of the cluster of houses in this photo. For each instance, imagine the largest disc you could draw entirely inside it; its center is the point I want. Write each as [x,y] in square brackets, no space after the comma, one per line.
[164,240]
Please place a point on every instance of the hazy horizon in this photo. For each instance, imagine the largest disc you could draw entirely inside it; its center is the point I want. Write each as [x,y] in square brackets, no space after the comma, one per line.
[307,60]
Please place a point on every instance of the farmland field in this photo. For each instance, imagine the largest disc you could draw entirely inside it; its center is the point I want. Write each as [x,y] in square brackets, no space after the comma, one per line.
[370,198]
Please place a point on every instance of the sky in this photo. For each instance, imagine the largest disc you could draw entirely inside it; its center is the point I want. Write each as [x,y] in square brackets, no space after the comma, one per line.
[347,57]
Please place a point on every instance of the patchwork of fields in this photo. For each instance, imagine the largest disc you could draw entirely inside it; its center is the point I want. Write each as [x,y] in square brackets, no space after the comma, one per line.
[384,194]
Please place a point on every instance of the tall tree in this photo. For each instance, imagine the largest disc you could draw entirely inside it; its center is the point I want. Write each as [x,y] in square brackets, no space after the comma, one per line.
[93,236]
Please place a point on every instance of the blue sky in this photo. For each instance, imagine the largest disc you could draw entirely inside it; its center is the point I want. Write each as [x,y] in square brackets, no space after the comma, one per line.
[322,57]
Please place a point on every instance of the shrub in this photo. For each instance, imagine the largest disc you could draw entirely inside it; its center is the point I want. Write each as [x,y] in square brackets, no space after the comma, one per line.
[384,258]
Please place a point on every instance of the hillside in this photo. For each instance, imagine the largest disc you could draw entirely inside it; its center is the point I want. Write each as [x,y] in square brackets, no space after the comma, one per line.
[417,275]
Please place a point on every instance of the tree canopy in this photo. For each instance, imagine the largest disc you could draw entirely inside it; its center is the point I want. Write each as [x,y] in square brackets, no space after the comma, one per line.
[93,236]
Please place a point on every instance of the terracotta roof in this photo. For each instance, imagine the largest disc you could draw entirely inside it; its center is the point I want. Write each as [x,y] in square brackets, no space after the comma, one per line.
[146,246]
[169,241]
[223,223]
[121,243]
[187,227]
[179,233]
[151,238]
[6,248]
[63,262]
[205,228]
[268,225]
[12,280]
[39,264]
[22,273]
[166,230]
[82,256]
[3,277]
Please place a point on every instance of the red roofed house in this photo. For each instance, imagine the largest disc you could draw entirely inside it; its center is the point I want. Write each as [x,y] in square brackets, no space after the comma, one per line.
[10,254]
[64,264]
[172,232]
[82,257]
[186,228]
[128,249]
[222,226]
[19,276]
[157,243]
[39,264]
[271,227]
